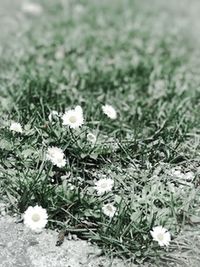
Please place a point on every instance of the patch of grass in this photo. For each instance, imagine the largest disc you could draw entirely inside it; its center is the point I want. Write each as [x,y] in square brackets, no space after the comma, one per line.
[89,54]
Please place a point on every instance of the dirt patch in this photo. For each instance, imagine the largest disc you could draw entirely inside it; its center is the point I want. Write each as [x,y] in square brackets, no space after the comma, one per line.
[22,248]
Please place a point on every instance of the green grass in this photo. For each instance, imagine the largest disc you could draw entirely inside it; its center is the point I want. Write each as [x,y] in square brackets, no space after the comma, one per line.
[133,57]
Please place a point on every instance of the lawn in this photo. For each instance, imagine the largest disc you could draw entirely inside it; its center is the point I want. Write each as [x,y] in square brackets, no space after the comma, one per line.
[138,59]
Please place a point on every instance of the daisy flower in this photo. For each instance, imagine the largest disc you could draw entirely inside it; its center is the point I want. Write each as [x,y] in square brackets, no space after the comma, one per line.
[189,176]
[16,127]
[177,173]
[109,210]
[73,118]
[109,111]
[91,138]
[35,218]
[32,8]
[161,235]
[79,8]
[56,156]
[60,53]
[104,185]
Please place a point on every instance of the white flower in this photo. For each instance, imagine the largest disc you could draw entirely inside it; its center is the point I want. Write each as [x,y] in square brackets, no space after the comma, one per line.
[79,8]
[53,114]
[109,210]
[104,185]
[109,111]
[91,138]
[56,156]
[189,176]
[32,8]
[177,173]
[161,235]
[16,127]
[60,53]
[35,218]
[73,118]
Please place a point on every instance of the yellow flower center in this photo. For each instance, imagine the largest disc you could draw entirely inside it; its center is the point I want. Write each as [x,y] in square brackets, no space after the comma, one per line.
[72,119]
[35,217]
[90,137]
[160,237]
[104,185]
[109,208]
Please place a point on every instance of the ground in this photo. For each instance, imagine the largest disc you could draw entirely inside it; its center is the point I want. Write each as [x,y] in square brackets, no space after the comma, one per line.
[141,59]
[21,248]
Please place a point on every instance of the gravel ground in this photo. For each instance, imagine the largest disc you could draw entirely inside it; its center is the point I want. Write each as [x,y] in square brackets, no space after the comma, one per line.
[19,247]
